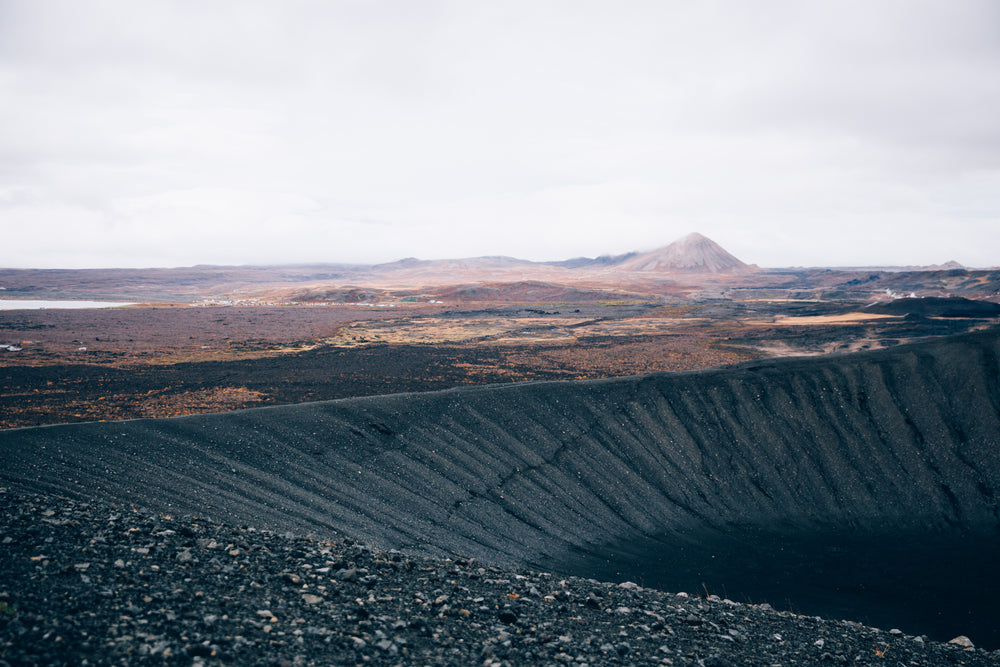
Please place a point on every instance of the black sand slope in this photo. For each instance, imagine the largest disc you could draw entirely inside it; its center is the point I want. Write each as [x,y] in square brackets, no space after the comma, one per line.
[862,486]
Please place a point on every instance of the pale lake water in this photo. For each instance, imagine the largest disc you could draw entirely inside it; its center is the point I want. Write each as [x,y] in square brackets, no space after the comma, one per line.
[26,304]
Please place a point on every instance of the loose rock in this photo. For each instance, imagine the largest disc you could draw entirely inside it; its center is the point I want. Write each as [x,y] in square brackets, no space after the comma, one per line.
[272,605]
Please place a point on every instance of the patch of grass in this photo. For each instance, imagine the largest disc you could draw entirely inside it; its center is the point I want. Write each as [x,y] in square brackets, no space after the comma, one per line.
[678,310]
[7,610]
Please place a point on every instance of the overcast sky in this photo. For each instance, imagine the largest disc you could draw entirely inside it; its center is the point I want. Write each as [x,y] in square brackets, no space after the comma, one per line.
[229,132]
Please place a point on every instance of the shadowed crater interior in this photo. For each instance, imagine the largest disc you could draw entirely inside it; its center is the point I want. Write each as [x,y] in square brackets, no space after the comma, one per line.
[854,486]
[940,582]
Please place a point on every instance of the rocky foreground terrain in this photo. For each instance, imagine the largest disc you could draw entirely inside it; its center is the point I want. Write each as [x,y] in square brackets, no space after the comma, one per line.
[98,584]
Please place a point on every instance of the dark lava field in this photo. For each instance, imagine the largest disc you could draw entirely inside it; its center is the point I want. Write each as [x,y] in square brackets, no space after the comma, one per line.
[112,364]
[857,486]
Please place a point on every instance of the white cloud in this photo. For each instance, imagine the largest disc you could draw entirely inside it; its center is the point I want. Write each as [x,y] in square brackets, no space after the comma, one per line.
[793,133]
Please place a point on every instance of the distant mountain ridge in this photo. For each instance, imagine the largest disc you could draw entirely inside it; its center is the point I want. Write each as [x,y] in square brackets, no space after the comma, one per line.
[593,262]
[686,266]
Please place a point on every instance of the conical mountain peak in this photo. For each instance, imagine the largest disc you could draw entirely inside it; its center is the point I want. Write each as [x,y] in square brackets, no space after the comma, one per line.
[694,253]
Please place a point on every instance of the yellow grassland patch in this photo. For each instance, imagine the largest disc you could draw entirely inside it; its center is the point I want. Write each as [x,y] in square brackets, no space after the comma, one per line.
[446,330]
[846,318]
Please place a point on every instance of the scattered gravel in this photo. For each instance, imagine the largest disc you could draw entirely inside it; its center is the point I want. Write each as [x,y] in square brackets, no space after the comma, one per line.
[89,584]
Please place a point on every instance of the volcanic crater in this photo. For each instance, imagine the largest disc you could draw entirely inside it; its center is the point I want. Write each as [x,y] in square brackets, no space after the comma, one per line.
[859,485]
